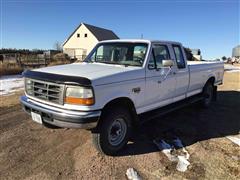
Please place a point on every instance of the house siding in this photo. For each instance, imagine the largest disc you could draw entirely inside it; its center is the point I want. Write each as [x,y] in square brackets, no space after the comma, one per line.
[80,46]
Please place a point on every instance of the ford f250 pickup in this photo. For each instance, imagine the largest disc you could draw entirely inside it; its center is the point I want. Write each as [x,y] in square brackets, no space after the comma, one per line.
[119,84]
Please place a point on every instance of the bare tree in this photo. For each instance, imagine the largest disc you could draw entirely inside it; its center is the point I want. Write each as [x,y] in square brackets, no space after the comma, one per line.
[224,58]
[57,46]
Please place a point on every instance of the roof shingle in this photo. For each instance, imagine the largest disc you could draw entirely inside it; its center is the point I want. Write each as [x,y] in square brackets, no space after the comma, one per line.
[101,33]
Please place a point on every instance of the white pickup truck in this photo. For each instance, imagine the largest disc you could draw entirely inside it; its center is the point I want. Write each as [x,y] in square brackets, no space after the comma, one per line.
[120,83]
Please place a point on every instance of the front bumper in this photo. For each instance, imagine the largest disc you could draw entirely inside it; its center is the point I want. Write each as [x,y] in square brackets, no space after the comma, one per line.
[61,117]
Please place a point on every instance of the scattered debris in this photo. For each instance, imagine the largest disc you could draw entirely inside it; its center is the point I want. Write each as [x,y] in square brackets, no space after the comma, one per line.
[132,174]
[182,164]
[234,139]
[175,153]
[165,148]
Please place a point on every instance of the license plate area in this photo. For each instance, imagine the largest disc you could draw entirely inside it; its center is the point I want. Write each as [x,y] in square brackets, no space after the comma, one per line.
[36,117]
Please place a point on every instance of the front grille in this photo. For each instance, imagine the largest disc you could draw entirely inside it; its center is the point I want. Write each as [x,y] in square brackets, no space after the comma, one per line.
[47,91]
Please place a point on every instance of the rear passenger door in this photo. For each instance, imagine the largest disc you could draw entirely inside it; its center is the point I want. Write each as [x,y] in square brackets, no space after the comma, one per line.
[182,74]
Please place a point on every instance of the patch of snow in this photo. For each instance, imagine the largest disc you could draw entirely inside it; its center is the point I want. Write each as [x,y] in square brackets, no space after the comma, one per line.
[132,174]
[10,84]
[234,139]
[230,68]
[167,149]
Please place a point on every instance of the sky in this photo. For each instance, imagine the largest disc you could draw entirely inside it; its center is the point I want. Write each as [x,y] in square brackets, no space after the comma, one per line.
[211,25]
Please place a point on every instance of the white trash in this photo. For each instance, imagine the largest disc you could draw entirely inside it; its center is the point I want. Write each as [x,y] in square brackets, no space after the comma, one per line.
[167,149]
[171,157]
[182,164]
[132,174]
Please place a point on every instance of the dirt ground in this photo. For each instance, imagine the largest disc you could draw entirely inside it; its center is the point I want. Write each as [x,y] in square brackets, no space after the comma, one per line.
[31,151]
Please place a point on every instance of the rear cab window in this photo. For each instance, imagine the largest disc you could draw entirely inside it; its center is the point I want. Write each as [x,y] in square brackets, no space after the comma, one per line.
[179,56]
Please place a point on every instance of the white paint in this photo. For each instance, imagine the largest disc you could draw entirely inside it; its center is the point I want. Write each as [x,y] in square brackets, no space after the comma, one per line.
[10,84]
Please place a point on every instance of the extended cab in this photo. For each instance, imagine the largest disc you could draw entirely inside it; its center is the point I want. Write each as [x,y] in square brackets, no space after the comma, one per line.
[120,83]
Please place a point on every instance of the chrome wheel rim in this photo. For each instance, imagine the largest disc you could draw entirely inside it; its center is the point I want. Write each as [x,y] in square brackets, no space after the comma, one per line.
[117,132]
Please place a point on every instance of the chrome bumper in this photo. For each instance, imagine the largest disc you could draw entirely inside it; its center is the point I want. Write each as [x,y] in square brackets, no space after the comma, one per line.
[62,118]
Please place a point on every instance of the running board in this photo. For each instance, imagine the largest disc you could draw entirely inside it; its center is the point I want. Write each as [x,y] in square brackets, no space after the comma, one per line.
[169,108]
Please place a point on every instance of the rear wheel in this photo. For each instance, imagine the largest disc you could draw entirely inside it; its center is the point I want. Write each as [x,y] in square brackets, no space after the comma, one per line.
[207,95]
[113,132]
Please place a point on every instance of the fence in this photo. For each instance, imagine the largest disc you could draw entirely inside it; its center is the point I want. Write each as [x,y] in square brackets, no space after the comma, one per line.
[24,60]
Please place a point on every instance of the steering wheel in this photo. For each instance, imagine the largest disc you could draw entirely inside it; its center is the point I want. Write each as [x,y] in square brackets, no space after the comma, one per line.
[138,59]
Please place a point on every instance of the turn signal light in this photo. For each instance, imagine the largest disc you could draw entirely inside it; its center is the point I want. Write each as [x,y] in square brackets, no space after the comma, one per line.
[79,101]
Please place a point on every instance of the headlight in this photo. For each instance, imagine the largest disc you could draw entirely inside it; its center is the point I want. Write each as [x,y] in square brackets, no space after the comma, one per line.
[28,86]
[79,95]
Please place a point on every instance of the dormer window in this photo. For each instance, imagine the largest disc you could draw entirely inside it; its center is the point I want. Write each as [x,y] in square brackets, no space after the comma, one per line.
[78,35]
[85,35]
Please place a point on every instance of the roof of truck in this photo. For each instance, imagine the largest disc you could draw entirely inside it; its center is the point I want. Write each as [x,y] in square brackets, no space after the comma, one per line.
[141,41]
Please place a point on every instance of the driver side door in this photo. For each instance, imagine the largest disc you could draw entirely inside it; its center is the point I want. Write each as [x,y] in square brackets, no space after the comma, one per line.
[160,81]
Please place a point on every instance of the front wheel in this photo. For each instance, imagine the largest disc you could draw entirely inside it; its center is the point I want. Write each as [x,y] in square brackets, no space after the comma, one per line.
[207,95]
[113,132]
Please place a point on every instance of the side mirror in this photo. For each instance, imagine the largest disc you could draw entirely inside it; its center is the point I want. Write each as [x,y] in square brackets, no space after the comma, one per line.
[167,63]
[151,66]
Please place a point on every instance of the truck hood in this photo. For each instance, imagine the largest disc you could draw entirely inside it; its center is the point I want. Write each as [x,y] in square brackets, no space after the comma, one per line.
[98,73]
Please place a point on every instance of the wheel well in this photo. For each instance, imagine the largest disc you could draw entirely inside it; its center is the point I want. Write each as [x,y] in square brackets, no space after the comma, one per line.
[122,102]
[211,80]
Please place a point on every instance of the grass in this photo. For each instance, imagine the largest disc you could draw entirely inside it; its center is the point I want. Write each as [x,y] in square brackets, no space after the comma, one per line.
[59,62]
[10,69]
[7,68]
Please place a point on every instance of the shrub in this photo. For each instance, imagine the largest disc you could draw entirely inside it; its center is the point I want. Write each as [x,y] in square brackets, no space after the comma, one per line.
[10,68]
[59,59]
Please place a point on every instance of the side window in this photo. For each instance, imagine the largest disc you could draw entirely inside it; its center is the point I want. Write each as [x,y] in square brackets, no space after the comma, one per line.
[179,56]
[151,63]
[160,53]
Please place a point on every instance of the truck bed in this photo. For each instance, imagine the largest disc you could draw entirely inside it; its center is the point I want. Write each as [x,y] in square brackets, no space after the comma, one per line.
[200,71]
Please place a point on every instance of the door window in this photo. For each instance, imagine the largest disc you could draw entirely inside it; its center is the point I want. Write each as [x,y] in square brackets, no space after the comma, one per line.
[159,53]
[179,56]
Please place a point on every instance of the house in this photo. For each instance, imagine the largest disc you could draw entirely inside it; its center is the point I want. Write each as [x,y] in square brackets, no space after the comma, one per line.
[84,38]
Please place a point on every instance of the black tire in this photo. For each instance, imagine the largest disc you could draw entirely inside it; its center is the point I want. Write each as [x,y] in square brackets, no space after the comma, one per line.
[103,138]
[207,95]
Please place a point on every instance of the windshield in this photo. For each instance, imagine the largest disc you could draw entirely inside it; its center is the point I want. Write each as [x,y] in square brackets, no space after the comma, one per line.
[132,54]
